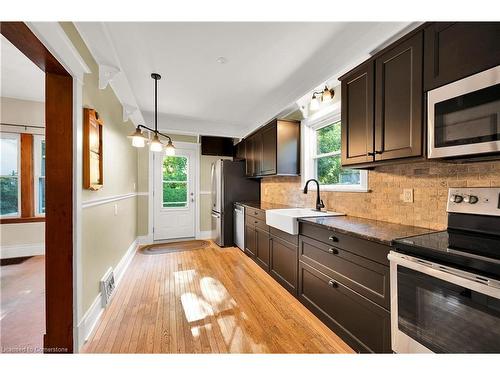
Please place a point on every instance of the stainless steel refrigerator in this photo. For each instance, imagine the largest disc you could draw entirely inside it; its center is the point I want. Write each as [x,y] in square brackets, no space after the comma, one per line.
[229,185]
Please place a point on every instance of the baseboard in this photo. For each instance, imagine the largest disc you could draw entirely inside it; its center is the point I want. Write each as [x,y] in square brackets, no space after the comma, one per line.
[89,320]
[17,251]
[204,235]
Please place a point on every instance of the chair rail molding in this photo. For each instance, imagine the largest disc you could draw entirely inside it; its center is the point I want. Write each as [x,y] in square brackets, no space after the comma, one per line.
[109,199]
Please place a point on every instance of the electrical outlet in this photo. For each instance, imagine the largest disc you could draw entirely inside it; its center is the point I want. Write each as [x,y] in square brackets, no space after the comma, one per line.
[408,195]
[116,209]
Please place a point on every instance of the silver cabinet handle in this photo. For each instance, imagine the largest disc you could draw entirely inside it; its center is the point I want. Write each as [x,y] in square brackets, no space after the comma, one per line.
[332,250]
[333,284]
[333,238]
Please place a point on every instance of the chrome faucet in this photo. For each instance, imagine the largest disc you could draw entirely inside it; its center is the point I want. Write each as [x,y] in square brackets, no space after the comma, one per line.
[319,202]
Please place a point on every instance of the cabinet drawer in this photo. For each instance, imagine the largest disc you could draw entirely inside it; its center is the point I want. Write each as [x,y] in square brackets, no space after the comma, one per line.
[368,278]
[368,249]
[364,325]
[283,263]
[293,239]
[253,221]
[254,212]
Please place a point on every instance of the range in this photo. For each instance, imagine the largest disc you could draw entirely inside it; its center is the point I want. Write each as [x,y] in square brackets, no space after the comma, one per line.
[445,286]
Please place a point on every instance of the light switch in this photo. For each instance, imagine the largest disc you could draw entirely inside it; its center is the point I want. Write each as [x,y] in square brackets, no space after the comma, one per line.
[408,195]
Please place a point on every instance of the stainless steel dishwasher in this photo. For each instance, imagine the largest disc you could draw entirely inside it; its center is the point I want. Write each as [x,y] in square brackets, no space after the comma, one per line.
[239,226]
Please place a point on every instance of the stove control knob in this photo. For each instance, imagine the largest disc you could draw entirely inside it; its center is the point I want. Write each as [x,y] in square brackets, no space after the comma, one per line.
[455,198]
[472,199]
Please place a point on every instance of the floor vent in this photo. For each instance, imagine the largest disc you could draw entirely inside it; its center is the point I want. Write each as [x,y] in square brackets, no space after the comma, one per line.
[107,287]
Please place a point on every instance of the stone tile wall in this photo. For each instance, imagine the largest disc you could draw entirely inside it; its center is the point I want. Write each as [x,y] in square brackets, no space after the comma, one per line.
[430,182]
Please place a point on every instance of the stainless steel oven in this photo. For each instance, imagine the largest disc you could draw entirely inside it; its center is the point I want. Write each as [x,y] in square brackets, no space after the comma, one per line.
[445,286]
[464,116]
[440,309]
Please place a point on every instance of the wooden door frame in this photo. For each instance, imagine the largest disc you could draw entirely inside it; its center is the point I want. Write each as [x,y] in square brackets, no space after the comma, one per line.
[59,298]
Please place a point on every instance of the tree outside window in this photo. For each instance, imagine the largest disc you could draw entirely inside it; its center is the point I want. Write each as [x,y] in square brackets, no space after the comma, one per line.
[175,182]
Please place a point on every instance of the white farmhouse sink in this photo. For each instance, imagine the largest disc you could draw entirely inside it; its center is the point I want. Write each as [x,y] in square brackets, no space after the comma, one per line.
[285,219]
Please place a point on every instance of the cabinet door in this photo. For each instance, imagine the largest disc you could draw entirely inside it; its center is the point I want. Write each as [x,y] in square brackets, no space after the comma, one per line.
[399,101]
[239,150]
[262,248]
[257,153]
[283,263]
[269,149]
[250,241]
[249,157]
[365,326]
[357,116]
[455,50]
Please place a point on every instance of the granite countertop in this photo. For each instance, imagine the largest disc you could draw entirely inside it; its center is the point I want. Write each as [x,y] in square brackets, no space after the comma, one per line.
[264,205]
[373,230]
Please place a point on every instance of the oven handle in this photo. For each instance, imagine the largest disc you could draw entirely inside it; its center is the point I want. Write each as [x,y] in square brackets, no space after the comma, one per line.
[465,279]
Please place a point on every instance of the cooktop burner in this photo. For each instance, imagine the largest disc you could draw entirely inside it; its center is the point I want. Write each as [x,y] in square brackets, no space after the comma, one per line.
[472,241]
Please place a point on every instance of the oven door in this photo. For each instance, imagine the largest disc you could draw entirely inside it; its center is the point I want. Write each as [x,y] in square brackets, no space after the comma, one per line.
[464,116]
[441,309]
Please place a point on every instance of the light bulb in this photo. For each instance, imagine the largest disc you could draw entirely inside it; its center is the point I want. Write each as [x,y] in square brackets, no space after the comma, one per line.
[156,145]
[314,105]
[138,141]
[170,149]
[327,95]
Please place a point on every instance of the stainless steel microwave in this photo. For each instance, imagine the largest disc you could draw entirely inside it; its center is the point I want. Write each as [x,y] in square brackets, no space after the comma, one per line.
[464,116]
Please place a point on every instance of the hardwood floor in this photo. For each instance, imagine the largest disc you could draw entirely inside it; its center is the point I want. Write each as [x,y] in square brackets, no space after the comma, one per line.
[22,316]
[211,300]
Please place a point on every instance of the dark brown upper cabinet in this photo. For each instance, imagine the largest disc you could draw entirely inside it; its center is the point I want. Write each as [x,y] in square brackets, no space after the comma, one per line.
[382,106]
[239,151]
[357,115]
[399,101]
[454,50]
[274,150]
[216,146]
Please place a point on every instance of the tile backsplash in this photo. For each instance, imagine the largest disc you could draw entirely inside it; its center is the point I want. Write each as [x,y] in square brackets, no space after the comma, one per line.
[429,180]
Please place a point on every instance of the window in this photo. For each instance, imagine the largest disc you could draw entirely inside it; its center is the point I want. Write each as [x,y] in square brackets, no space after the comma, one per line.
[175,182]
[9,175]
[39,177]
[322,155]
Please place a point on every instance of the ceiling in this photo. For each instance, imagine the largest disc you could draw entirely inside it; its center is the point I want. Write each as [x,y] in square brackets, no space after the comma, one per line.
[269,66]
[20,77]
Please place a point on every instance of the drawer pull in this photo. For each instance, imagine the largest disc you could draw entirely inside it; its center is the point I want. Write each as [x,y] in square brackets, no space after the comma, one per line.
[333,238]
[333,284]
[331,250]
[255,213]
[256,222]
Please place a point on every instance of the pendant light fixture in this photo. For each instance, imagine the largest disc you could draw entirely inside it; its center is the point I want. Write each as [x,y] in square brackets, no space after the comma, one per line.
[155,145]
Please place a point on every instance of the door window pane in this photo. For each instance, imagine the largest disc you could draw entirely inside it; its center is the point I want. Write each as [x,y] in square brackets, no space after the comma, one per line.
[9,175]
[175,185]
[40,175]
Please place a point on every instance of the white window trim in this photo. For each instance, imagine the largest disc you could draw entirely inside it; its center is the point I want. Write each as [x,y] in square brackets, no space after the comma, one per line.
[308,128]
[37,149]
[17,137]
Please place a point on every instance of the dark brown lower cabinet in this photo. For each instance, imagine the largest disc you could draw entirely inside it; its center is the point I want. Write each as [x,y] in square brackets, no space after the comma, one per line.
[362,324]
[283,263]
[250,241]
[262,248]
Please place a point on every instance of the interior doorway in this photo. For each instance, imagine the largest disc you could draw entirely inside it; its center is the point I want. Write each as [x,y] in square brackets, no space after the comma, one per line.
[58,177]
[174,194]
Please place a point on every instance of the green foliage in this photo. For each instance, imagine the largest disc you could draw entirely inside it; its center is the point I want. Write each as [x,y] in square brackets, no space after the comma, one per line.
[8,195]
[329,168]
[174,169]
[328,139]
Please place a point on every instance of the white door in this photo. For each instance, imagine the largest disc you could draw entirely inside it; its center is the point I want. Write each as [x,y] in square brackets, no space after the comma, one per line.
[174,194]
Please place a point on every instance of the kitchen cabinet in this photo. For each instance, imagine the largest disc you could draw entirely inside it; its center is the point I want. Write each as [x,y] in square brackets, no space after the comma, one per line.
[455,50]
[361,323]
[239,151]
[283,263]
[216,146]
[344,281]
[382,106]
[399,101]
[257,237]
[250,240]
[274,150]
[262,248]
[357,115]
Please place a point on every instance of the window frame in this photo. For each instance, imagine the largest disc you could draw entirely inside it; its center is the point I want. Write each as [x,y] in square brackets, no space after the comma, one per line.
[310,126]
[17,137]
[37,156]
